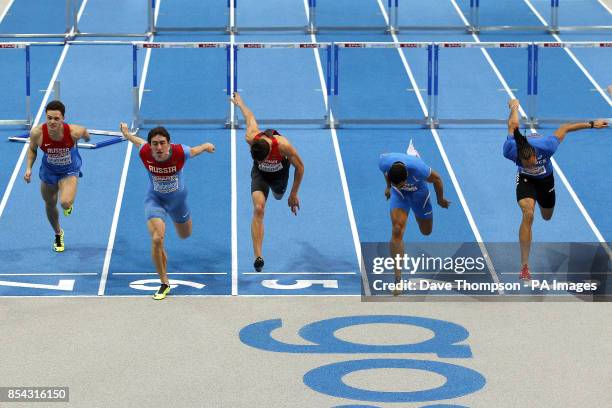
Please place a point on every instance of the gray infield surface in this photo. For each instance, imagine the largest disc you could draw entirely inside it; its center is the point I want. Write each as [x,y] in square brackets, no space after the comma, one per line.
[186,352]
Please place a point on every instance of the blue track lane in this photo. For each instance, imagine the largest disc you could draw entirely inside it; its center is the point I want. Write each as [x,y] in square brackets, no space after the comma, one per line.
[285,83]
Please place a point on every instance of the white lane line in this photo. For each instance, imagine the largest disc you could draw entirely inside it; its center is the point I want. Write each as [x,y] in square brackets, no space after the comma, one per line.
[170,273]
[51,274]
[234,172]
[345,190]
[299,273]
[449,168]
[604,5]
[6,9]
[124,172]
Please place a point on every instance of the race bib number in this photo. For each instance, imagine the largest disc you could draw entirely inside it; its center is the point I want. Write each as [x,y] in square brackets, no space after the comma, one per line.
[59,157]
[165,184]
[270,167]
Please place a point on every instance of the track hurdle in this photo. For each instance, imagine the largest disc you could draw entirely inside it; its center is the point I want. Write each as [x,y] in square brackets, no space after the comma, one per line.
[139,120]
[326,120]
[431,91]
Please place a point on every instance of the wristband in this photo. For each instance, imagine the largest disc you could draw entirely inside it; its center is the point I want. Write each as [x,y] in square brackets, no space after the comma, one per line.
[592,123]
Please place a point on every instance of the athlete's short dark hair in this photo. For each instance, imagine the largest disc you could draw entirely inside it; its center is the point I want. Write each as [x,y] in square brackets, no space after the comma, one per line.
[523,148]
[397,173]
[56,106]
[158,131]
[260,149]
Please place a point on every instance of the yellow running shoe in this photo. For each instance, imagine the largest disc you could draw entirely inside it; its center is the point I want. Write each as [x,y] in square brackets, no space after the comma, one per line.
[68,211]
[162,292]
[58,244]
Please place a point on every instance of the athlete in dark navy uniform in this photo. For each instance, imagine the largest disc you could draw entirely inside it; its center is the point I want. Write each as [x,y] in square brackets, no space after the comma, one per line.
[167,194]
[272,156]
[60,167]
[534,179]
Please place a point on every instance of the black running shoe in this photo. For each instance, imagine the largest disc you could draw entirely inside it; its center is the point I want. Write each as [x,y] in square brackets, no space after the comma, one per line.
[258,264]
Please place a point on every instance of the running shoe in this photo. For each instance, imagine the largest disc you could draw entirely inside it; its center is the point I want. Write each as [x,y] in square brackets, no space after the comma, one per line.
[58,243]
[68,211]
[258,264]
[525,275]
[162,292]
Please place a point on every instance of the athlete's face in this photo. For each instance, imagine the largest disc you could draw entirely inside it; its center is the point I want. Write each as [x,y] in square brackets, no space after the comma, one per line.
[160,147]
[54,120]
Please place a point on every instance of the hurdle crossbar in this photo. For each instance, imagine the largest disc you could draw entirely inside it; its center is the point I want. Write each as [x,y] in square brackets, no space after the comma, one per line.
[326,120]
[112,138]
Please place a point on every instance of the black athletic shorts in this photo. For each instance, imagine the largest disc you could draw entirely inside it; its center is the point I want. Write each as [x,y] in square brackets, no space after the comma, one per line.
[265,181]
[540,189]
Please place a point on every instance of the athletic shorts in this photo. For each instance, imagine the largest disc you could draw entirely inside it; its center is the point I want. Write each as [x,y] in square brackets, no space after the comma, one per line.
[175,206]
[540,189]
[419,201]
[52,178]
[264,182]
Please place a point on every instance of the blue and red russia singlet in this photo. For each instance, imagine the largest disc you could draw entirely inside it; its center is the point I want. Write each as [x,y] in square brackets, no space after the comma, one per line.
[275,161]
[60,157]
[165,177]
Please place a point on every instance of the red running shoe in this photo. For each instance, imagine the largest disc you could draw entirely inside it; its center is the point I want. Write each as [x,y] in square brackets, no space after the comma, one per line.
[525,275]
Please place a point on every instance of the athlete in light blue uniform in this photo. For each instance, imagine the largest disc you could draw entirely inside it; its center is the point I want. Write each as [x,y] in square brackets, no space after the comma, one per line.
[167,194]
[534,179]
[407,177]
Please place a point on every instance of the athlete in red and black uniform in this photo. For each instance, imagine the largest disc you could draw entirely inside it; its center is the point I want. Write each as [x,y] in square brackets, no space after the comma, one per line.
[272,156]
[167,194]
[60,167]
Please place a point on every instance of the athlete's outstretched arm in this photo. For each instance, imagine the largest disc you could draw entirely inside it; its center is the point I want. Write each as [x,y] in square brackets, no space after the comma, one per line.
[513,118]
[436,180]
[571,127]
[204,147]
[294,158]
[249,118]
[130,136]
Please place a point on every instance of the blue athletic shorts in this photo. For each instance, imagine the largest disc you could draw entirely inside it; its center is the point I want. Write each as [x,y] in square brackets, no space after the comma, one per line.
[419,201]
[174,206]
[49,177]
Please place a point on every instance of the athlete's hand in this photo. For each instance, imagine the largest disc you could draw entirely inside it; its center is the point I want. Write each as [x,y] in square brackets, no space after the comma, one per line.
[236,99]
[388,192]
[124,128]
[28,175]
[513,103]
[294,203]
[209,147]
[598,124]
[444,203]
